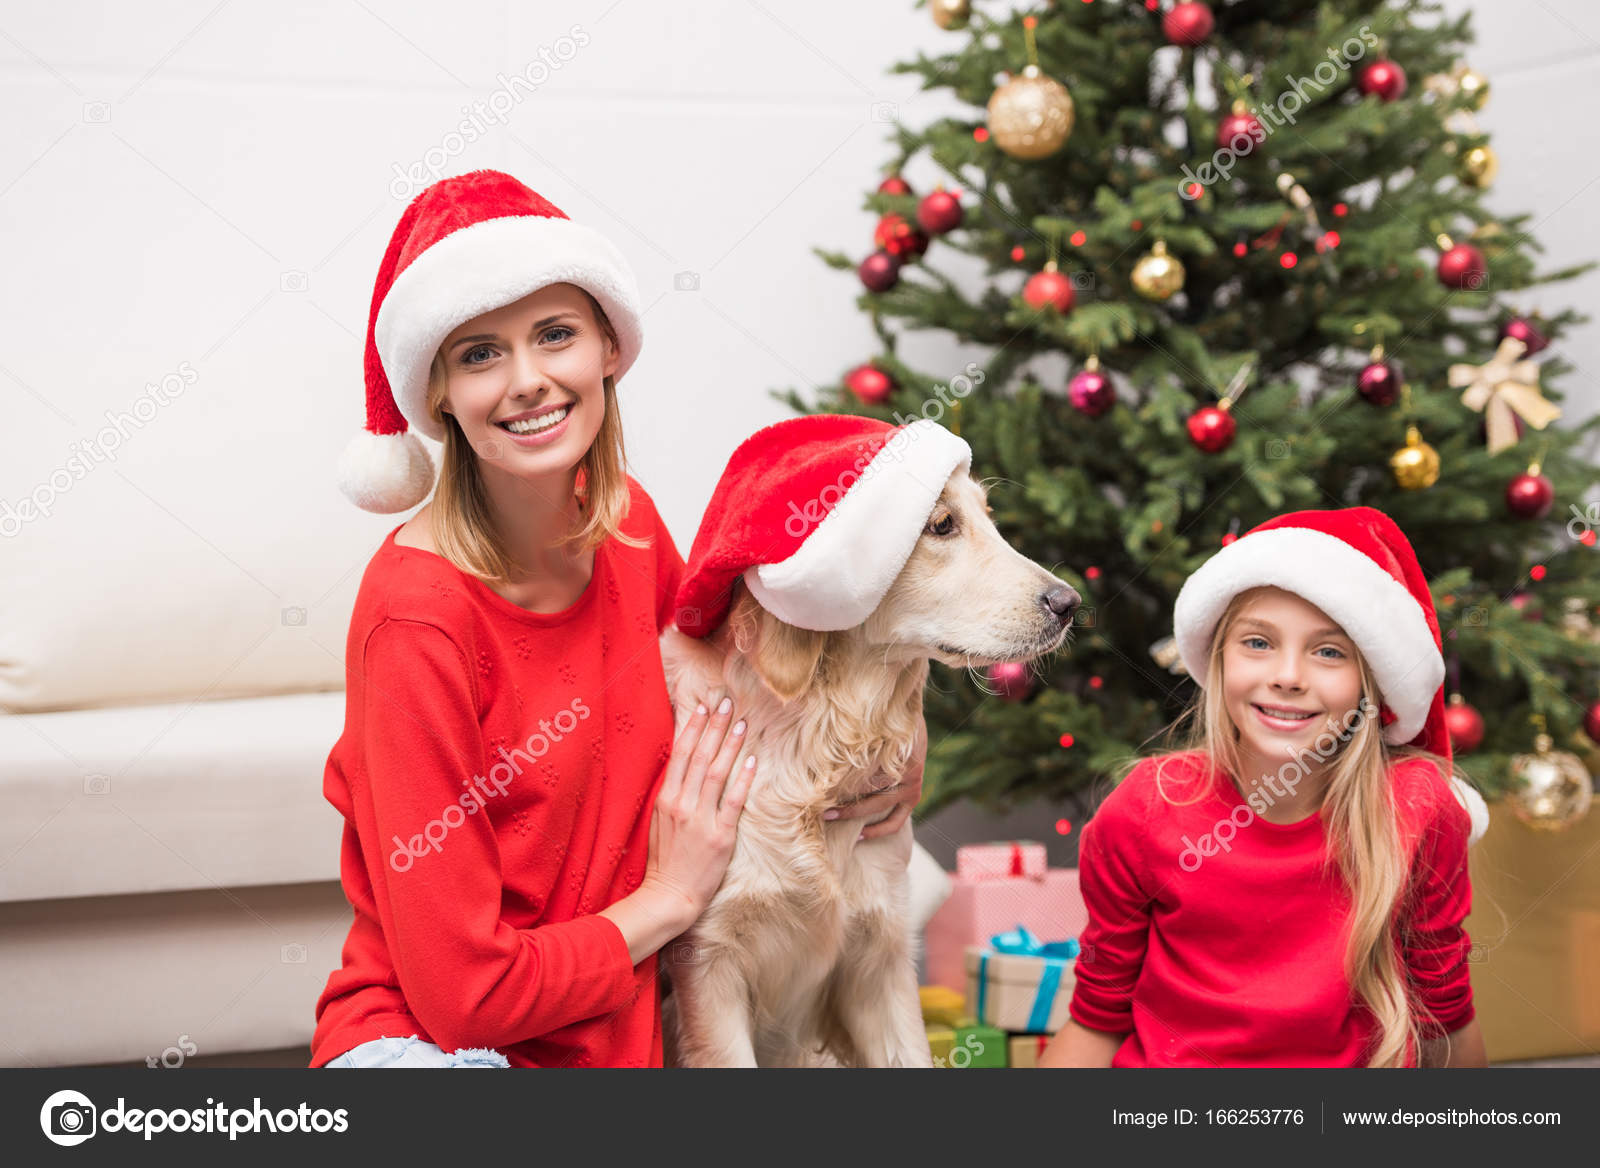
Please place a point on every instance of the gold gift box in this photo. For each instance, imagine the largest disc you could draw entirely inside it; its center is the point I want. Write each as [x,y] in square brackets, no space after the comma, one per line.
[1535,931]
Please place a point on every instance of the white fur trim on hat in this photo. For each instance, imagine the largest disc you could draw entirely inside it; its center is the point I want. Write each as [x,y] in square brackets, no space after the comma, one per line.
[847,564]
[488,266]
[1477,810]
[1377,611]
[385,473]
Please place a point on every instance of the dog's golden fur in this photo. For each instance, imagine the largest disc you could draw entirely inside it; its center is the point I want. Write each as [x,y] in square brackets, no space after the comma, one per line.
[805,955]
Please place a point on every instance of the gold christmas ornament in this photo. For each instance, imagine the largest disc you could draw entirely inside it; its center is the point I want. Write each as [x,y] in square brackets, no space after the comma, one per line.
[951,14]
[1474,86]
[1030,116]
[1479,166]
[1158,275]
[1550,789]
[1504,385]
[1165,654]
[1416,464]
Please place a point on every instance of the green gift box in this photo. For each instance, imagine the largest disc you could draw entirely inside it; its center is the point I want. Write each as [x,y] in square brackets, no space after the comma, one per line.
[976,1045]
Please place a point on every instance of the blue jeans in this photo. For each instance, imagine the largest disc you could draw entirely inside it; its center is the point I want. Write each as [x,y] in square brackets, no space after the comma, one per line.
[413,1052]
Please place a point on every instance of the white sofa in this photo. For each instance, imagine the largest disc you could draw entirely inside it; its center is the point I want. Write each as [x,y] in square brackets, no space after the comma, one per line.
[171,682]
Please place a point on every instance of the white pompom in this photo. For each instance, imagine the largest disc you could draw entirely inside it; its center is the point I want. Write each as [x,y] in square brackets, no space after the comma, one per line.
[385,473]
[1467,795]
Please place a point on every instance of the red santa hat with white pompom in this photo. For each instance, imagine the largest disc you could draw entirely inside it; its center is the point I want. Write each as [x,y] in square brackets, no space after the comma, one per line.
[465,246]
[1356,565]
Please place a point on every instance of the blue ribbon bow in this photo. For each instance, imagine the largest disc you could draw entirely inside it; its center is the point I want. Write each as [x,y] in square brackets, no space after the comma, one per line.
[1019,942]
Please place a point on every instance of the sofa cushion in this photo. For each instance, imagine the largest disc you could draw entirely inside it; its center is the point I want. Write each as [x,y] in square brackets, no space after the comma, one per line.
[142,576]
[183,796]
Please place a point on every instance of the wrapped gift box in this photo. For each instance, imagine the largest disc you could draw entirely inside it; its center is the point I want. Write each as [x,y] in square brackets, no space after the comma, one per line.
[976,910]
[1026,1049]
[977,1045]
[1535,930]
[1003,858]
[942,1006]
[1021,984]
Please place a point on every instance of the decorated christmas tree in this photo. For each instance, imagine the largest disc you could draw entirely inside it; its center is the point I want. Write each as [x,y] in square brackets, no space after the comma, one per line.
[1257,234]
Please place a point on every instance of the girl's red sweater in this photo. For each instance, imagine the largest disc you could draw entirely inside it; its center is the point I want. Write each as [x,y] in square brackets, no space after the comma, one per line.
[497,775]
[1216,938]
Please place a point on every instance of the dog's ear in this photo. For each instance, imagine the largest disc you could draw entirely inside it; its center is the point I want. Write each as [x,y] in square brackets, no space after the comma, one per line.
[786,658]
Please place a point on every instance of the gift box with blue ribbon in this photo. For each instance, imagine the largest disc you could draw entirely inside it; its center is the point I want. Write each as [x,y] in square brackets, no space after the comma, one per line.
[1020,983]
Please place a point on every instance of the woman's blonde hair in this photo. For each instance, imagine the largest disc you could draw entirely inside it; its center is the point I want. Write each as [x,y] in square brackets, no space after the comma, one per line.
[1363,832]
[464,530]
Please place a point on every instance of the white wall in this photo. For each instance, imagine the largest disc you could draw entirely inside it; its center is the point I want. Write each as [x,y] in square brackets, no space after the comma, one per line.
[169,169]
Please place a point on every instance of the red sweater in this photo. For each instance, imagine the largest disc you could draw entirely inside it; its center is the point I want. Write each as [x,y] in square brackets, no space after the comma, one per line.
[497,775]
[1236,958]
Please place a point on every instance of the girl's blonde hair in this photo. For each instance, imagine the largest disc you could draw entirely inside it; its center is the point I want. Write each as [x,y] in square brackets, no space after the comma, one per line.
[1364,838]
[464,530]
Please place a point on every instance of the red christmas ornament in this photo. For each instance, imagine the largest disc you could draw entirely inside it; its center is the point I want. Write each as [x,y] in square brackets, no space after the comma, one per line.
[1049,288]
[1212,428]
[1463,724]
[939,212]
[1530,495]
[1522,602]
[1591,721]
[1384,80]
[1522,329]
[894,185]
[897,237]
[1091,389]
[1187,24]
[869,383]
[1010,679]
[1462,266]
[1379,383]
[1240,132]
[880,271]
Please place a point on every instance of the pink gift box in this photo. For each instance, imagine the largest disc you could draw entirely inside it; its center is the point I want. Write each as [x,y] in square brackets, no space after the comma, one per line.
[1002,858]
[1050,907]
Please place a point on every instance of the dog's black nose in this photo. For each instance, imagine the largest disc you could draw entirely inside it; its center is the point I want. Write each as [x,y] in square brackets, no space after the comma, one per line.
[1063,601]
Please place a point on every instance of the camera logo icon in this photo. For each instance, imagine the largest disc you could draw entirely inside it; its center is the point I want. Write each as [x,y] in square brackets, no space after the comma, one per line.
[68,1118]
[686,281]
[293,282]
[885,111]
[97,111]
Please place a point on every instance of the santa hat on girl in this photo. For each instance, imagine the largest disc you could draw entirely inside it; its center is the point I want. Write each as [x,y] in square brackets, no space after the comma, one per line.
[465,246]
[817,515]
[1357,566]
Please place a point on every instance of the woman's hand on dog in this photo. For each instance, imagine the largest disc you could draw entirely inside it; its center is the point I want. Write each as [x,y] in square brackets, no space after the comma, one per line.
[697,810]
[897,801]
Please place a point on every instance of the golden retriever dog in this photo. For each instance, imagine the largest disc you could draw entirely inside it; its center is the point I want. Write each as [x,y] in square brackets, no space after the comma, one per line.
[805,956]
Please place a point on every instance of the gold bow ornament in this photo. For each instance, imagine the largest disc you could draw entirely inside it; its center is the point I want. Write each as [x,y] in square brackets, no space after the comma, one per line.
[1504,388]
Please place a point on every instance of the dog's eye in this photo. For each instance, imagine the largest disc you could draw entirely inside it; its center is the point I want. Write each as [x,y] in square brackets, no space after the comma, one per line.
[943,525]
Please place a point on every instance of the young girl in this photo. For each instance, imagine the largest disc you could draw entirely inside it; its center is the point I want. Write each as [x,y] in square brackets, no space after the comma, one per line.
[522,834]
[1290,891]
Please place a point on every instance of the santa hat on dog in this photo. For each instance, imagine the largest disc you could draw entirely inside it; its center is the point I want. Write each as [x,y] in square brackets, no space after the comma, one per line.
[465,246]
[817,515]
[1357,566]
